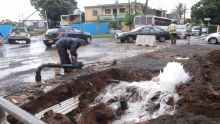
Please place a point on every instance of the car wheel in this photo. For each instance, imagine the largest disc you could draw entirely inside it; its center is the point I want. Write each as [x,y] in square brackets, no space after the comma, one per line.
[122,40]
[213,40]
[88,39]
[162,39]
[130,39]
[28,41]
[11,41]
[48,45]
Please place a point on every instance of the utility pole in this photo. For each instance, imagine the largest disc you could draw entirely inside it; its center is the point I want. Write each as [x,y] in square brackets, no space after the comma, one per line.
[45,13]
[135,4]
[184,14]
[129,7]
[146,7]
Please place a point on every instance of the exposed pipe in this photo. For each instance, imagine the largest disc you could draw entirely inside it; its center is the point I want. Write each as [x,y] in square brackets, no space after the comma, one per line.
[18,113]
[64,107]
[77,65]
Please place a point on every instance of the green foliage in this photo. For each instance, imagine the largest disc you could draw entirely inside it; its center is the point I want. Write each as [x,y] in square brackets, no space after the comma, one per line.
[206,9]
[115,24]
[180,8]
[103,36]
[129,19]
[55,8]
[7,22]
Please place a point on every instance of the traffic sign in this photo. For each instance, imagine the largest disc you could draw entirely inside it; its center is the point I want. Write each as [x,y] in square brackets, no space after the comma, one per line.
[207,19]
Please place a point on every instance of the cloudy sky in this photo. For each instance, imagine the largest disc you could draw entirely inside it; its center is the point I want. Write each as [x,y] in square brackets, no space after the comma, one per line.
[19,9]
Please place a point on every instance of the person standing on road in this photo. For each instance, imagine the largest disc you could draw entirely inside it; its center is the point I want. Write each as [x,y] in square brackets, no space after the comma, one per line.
[188,32]
[173,33]
[66,43]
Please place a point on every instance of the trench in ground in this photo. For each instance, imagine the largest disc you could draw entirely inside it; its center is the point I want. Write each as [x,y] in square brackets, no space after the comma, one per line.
[89,85]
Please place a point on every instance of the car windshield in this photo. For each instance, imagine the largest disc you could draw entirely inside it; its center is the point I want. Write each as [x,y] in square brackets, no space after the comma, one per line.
[18,30]
[136,29]
[53,30]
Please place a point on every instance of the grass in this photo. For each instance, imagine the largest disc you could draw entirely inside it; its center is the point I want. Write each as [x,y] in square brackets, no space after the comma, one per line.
[103,36]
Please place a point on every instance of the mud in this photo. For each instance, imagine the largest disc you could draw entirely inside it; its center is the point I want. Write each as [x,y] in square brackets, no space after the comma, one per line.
[200,97]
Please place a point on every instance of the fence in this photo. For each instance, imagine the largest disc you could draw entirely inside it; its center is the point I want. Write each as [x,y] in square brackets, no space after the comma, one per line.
[93,28]
[4,29]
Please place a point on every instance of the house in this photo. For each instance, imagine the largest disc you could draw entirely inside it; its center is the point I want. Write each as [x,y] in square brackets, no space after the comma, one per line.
[110,12]
[76,17]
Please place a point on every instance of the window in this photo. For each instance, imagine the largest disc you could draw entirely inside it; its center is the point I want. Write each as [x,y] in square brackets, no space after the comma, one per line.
[107,11]
[147,29]
[122,10]
[149,21]
[161,21]
[143,20]
[94,12]
[137,20]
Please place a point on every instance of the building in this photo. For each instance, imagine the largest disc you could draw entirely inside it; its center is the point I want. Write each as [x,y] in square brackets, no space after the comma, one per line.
[156,12]
[76,17]
[110,12]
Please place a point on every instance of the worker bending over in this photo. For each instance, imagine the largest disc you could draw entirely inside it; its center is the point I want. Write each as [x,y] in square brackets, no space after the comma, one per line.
[66,43]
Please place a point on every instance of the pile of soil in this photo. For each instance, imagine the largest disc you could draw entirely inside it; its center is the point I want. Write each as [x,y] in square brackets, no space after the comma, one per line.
[201,95]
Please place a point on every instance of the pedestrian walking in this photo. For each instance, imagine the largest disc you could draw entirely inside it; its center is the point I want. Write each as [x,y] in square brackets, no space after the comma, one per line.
[188,33]
[173,33]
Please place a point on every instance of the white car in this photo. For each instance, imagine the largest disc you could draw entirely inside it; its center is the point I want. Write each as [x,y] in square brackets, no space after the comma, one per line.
[196,30]
[19,34]
[213,38]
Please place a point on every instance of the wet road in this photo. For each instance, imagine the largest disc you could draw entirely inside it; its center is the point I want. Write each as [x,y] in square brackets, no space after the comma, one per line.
[18,62]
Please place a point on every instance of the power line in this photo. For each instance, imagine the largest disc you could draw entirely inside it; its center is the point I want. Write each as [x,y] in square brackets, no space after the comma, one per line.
[27,17]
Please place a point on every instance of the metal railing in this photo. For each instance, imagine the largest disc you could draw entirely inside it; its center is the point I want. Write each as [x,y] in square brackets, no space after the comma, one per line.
[18,113]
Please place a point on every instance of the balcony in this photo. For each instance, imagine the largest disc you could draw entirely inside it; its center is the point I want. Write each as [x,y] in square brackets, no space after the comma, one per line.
[119,17]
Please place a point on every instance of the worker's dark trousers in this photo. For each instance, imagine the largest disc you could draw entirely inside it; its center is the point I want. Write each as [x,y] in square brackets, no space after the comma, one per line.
[64,56]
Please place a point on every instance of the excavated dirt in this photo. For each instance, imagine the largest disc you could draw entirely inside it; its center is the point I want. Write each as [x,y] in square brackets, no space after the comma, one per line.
[199,98]
[201,95]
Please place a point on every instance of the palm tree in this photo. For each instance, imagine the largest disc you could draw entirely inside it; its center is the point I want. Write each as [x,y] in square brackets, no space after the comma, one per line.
[180,9]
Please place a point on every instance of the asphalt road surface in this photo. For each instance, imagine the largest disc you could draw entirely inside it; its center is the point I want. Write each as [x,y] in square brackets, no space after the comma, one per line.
[18,62]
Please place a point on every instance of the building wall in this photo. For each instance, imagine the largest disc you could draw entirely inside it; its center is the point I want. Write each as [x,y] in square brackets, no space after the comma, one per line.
[101,11]
[89,13]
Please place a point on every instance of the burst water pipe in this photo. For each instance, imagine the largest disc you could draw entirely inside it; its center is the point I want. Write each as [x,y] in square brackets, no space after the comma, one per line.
[77,65]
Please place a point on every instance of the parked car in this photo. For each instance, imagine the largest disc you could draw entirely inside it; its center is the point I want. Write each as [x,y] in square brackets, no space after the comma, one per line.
[130,36]
[52,35]
[181,31]
[19,34]
[213,38]
[196,30]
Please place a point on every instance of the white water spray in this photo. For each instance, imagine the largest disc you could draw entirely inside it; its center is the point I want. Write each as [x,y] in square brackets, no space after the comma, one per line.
[147,99]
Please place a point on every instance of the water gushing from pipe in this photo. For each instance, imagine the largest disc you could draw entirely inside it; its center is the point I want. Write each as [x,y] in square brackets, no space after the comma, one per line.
[146,99]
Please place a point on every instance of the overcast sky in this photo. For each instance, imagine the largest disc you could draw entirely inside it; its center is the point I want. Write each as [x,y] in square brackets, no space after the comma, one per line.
[19,9]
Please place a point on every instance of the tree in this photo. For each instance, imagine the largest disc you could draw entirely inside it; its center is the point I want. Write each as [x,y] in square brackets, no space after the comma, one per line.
[129,19]
[206,9]
[7,22]
[54,9]
[180,9]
